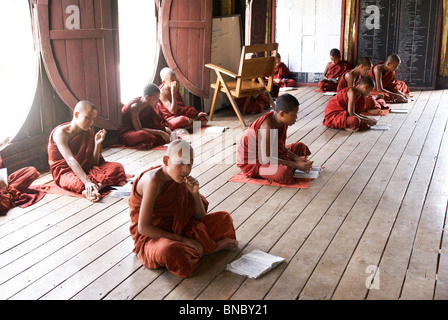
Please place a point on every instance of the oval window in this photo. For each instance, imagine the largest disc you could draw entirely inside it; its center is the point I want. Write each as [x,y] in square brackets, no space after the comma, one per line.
[18,67]
[138,46]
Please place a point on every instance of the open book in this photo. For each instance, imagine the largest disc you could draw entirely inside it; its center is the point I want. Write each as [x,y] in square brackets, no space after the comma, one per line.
[122,191]
[254,264]
[385,126]
[398,110]
[313,174]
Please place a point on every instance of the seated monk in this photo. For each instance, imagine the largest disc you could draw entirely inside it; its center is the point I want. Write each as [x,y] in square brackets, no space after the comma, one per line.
[171,106]
[351,78]
[262,152]
[169,221]
[333,71]
[343,111]
[74,155]
[384,75]
[14,190]
[282,77]
[141,125]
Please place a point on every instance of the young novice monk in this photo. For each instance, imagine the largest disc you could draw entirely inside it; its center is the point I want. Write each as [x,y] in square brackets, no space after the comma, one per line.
[169,221]
[172,108]
[262,151]
[74,155]
[333,71]
[351,78]
[141,125]
[282,76]
[384,75]
[343,111]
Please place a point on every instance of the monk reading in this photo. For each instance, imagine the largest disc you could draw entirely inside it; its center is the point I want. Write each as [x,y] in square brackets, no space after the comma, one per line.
[171,106]
[14,190]
[262,151]
[343,111]
[169,221]
[384,75]
[333,71]
[142,126]
[74,155]
[282,76]
[351,78]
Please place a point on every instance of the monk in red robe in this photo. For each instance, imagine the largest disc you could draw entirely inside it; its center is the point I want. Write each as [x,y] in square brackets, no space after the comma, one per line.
[74,155]
[262,150]
[333,71]
[351,78]
[169,221]
[142,126]
[15,192]
[282,77]
[384,75]
[343,111]
[171,106]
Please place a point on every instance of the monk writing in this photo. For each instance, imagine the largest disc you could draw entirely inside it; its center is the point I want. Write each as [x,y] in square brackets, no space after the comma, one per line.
[343,111]
[282,76]
[141,125]
[333,71]
[351,78]
[171,106]
[384,75]
[74,155]
[262,150]
[169,221]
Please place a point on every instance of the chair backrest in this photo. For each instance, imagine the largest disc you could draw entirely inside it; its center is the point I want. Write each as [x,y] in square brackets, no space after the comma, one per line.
[261,66]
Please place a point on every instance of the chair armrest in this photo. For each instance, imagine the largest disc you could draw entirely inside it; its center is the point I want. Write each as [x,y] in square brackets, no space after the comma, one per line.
[222,70]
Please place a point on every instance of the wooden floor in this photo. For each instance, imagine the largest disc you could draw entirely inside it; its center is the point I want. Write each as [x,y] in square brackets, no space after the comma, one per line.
[372,226]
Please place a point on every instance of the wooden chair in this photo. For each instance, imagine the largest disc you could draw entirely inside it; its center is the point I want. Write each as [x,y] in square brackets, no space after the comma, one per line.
[250,79]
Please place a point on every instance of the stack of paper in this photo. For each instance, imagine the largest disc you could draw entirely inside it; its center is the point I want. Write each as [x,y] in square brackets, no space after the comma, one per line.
[254,264]
[313,174]
[383,126]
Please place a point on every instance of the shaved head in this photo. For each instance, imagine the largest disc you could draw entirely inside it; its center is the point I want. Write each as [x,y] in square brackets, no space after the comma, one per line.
[365,61]
[394,58]
[180,148]
[166,73]
[84,105]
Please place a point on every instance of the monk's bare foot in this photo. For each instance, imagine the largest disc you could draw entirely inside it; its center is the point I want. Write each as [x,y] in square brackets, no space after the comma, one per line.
[227,243]
[95,197]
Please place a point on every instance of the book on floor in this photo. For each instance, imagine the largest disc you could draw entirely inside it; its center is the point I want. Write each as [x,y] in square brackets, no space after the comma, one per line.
[313,174]
[384,126]
[254,264]
[398,110]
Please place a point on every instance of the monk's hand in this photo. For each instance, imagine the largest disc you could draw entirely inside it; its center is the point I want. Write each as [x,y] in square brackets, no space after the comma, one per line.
[192,184]
[302,163]
[371,121]
[173,87]
[379,96]
[91,191]
[202,114]
[100,136]
[165,136]
[193,244]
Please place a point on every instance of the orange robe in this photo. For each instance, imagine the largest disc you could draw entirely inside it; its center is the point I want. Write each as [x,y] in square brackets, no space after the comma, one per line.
[82,146]
[282,72]
[247,154]
[336,112]
[371,102]
[390,83]
[174,212]
[334,71]
[184,113]
[17,192]
[149,118]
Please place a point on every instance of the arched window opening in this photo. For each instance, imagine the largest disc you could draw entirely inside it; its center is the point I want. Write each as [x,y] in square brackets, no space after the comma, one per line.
[18,67]
[138,46]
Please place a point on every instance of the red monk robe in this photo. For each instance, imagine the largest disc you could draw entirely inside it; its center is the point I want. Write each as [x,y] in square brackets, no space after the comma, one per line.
[282,78]
[149,118]
[184,113]
[390,83]
[82,146]
[174,212]
[371,102]
[336,112]
[17,192]
[335,71]
[247,154]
